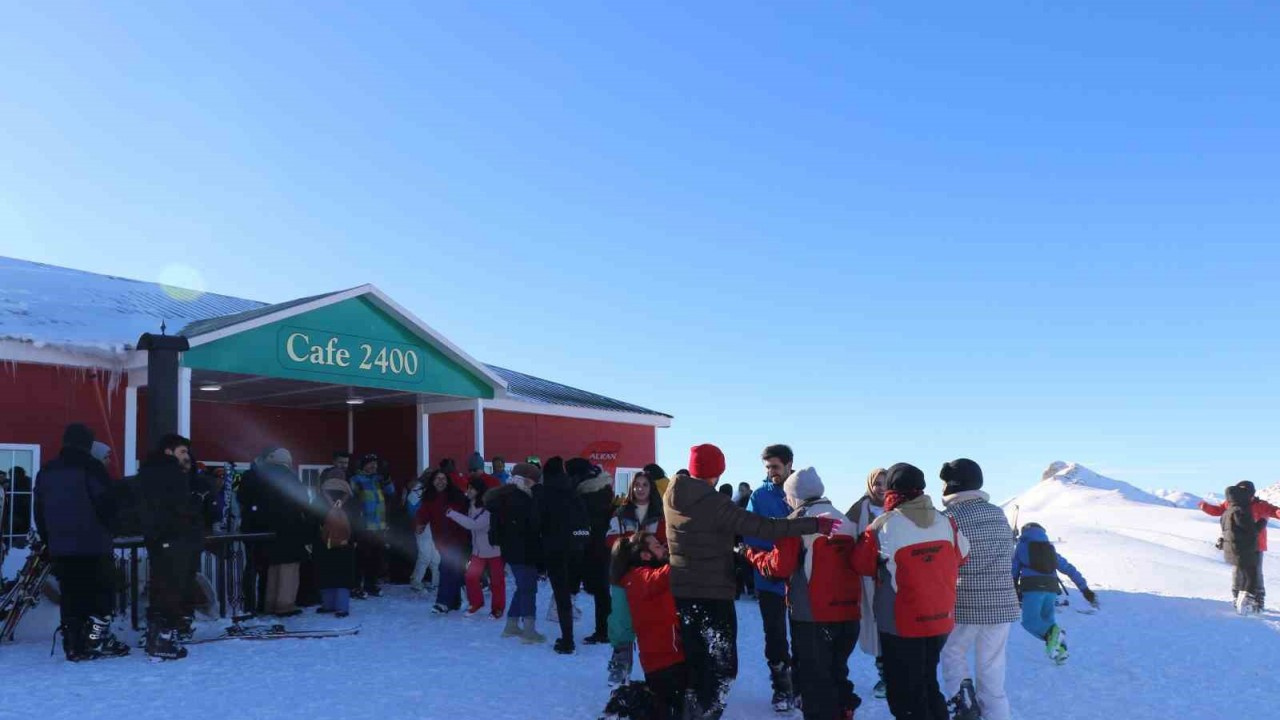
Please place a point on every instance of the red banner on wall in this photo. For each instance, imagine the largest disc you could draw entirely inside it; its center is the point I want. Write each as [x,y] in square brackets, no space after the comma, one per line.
[605,454]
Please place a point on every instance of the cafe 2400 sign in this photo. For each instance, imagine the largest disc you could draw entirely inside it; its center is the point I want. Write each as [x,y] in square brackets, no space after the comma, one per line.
[325,352]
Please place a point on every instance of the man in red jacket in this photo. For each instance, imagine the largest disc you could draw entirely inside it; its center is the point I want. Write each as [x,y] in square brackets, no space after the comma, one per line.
[824,597]
[915,553]
[1262,512]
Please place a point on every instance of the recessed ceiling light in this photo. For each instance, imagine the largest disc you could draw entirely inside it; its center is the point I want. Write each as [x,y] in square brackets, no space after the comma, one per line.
[355,401]
[210,387]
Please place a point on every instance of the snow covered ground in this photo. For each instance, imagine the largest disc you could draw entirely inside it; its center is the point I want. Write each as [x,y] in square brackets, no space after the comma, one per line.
[1165,645]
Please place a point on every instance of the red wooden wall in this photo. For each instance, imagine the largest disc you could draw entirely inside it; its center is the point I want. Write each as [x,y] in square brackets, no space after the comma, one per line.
[515,436]
[392,433]
[37,402]
[452,435]
[223,431]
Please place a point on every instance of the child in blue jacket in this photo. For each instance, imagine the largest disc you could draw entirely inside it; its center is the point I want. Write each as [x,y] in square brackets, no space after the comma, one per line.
[1036,564]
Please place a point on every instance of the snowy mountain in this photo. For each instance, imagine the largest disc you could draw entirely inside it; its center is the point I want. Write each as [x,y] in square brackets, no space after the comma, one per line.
[1063,474]
[1271,494]
[1180,498]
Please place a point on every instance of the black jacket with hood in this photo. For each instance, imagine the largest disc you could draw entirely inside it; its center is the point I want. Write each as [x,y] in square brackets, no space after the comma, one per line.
[1239,531]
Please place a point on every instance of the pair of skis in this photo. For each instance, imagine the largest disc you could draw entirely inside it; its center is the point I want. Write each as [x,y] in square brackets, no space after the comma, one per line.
[26,590]
[238,631]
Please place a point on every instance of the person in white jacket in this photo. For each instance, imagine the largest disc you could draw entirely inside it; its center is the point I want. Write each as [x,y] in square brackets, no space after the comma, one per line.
[428,556]
[869,507]
[484,555]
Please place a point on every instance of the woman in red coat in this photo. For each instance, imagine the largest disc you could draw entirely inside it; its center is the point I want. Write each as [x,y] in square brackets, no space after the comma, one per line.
[657,627]
[450,539]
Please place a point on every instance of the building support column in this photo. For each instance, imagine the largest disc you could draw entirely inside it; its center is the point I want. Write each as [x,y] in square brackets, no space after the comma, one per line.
[479,413]
[184,402]
[130,430]
[424,438]
[351,429]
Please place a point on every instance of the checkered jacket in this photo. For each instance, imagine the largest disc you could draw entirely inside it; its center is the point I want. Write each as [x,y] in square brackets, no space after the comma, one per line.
[984,591]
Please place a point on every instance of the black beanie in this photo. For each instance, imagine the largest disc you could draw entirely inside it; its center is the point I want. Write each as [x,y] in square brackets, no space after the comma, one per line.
[79,436]
[1248,487]
[905,478]
[654,471]
[580,468]
[961,475]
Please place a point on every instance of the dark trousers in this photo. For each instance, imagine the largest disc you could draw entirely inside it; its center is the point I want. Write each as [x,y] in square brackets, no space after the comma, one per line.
[911,676]
[370,550]
[773,613]
[709,629]
[564,574]
[823,650]
[668,686]
[1247,577]
[453,570]
[172,575]
[87,585]
[595,580]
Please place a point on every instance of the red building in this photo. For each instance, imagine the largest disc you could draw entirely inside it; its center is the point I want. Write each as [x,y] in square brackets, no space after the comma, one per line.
[349,370]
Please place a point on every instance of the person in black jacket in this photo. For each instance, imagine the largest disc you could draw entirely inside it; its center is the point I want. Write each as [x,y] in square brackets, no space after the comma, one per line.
[515,526]
[172,527]
[595,488]
[566,530]
[1240,547]
[283,502]
[74,509]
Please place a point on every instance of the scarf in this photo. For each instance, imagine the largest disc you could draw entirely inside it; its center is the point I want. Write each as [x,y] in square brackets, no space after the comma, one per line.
[894,498]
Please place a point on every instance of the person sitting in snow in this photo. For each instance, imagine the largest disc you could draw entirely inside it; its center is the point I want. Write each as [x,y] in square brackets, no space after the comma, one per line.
[1240,539]
[1262,511]
[1036,564]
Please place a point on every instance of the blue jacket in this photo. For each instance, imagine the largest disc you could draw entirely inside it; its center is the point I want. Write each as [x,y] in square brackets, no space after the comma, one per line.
[1030,580]
[74,505]
[768,500]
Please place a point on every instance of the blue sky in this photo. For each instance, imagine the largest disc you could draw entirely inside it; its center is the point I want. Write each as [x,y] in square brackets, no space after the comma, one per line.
[877,233]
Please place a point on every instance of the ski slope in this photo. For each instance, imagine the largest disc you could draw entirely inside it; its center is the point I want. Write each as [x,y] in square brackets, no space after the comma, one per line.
[1165,645]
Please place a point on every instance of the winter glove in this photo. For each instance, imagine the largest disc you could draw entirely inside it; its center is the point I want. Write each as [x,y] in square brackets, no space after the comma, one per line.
[1220,543]
[827,525]
[1090,597]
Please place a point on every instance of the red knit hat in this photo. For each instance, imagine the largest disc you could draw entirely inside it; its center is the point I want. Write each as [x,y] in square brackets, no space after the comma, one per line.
[706,462]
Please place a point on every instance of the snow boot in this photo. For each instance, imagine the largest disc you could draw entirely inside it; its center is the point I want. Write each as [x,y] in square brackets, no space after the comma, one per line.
[530,634]
[512,629]
[163,643]
[99,641]
[783,697]
[599,638]
[564,646]
[964,704]
[620,666]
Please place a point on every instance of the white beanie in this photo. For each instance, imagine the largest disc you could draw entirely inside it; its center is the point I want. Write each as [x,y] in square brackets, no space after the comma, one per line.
[99,451]
[804,485]
[278,456]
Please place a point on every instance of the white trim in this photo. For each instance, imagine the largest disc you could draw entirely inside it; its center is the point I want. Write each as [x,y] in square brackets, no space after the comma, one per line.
[9,503]
[184,401]
[424,437]
[420,328]
[19,351]
[520,406]
[479,426]
[351,429]
[130,430]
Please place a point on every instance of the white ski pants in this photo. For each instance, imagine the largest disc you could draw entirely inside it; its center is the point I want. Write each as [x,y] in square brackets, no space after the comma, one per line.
[988,643]
[428,557]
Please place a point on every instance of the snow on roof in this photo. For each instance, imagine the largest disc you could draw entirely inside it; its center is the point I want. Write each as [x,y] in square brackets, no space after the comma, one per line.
[96,314]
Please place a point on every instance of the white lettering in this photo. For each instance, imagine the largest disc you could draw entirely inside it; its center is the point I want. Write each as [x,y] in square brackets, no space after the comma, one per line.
[329,348]
[342,358]
[288,345]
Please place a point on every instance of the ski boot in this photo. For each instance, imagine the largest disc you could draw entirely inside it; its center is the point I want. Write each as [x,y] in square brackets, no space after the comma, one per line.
[964,704]
[620,666]
[783,697]
[880,691]
[564,646]
[187,628]
[73,640]
[1055,645]
[99,641]
[163,643]
[1247,604]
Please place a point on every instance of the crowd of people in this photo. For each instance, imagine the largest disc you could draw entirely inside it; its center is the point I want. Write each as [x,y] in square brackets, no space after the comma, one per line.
[917,589]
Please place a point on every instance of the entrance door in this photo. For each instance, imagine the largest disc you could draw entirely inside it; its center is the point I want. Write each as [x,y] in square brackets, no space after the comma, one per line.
[18,466]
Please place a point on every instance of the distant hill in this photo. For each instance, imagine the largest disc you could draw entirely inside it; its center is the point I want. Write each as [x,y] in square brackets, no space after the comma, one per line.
[1179,498]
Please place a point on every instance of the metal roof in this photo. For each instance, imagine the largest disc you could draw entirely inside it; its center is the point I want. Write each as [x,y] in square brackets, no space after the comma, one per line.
[104,315]
[537,390]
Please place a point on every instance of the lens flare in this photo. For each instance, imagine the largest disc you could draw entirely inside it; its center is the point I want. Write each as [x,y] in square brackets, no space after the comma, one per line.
[182,282]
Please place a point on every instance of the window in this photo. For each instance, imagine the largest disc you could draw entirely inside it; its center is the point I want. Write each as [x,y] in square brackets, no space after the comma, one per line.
[18,467]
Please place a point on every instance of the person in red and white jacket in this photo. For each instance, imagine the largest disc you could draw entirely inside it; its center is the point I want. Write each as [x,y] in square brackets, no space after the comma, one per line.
[824,596]
[646,578]
[1262,512]
[915,553]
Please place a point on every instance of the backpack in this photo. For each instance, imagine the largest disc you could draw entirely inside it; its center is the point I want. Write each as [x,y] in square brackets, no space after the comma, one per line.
[1042,557]
[336,531]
